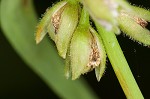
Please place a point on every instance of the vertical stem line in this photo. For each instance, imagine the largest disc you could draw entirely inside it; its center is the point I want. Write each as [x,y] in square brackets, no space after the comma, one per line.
[84,19]
[120,64]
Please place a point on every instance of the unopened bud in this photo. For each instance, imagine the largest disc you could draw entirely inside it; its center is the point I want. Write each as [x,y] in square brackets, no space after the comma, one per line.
[103,11]
[60,21]
[86,53]
[42,27]
[135,26]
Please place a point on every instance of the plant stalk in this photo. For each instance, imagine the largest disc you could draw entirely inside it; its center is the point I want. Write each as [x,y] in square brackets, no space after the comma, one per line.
[120,64]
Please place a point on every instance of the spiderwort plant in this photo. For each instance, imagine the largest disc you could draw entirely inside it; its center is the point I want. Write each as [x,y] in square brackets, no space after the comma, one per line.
[84,49]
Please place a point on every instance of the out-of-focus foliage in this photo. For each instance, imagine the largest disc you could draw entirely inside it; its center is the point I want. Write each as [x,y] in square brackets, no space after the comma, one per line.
[18,21]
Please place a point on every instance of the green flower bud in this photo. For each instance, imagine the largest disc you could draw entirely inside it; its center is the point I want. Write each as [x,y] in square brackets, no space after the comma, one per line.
[103,11]
[133,24]
[86,53]
[80,51]
[46,20]
[140,12]
[60,22]
[100,69]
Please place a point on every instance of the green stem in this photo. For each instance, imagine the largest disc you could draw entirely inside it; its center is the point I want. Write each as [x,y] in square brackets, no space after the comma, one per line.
[72,1]
[120,64]
[84,19]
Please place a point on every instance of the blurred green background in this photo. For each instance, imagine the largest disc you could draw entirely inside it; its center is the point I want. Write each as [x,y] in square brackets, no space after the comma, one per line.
[18,81]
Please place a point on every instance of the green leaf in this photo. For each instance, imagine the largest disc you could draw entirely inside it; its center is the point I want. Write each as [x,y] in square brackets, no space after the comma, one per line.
[18,21]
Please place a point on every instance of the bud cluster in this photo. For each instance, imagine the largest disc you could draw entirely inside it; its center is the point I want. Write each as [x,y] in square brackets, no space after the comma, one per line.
[78,42]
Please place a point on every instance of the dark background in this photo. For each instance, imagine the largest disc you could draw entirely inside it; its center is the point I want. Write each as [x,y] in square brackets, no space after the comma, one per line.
[17,81]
